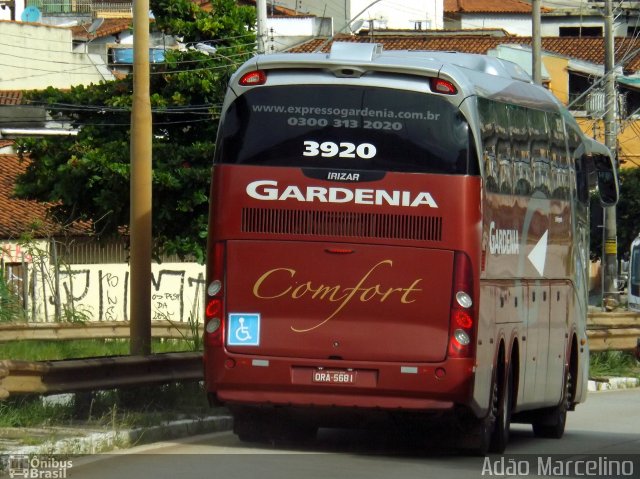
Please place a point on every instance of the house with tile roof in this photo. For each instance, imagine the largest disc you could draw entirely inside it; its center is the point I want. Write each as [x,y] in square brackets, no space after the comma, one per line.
[58,270]
[558,19]
[512,15]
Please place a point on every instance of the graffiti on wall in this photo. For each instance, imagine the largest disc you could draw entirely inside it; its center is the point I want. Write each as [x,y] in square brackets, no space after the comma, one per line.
[177,292]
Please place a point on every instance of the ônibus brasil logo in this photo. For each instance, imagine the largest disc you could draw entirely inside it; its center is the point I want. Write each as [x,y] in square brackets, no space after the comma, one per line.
[269,190]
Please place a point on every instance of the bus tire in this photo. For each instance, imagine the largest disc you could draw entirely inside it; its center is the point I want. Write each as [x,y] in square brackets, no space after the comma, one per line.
[477,439]
[550,423]
[502,411]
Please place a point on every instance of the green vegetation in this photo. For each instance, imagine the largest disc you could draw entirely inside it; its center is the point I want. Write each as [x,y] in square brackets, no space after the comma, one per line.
[187,90]
[10,307]
[116,409]
[614,364]
[86,348]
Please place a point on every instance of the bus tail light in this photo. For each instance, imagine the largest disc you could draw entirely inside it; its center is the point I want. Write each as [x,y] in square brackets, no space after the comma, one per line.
[214,309]
[462,321]
[438,85]
[253,78]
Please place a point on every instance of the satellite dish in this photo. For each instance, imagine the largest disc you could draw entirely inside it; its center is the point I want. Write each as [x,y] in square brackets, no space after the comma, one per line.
[31,15]
[355,26]
[97,23]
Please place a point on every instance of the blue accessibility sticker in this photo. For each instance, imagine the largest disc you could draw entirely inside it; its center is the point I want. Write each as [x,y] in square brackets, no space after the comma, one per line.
[244,329]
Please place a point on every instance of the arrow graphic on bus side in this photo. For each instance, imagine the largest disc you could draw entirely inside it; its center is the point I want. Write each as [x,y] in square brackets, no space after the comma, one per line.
[538,254]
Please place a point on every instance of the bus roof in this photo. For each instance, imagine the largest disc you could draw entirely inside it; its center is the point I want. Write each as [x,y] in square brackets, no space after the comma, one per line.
[474,74]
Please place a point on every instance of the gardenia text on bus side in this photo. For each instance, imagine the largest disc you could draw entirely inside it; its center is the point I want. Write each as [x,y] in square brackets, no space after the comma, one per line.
[268,190]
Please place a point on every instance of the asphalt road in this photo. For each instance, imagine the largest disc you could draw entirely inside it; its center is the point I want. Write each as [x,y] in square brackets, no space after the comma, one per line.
[602,440]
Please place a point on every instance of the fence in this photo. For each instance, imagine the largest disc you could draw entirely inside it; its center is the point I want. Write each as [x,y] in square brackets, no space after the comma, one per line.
[81,7]
[605,331]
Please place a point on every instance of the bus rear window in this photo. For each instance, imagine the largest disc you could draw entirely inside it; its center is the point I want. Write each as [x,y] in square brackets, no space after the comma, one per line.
[347,127]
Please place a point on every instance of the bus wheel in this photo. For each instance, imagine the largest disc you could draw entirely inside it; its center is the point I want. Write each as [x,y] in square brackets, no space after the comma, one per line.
[502,408]
[477,438]
[550,423]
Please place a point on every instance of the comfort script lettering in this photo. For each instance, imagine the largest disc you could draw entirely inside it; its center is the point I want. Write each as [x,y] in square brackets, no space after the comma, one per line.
[281,283]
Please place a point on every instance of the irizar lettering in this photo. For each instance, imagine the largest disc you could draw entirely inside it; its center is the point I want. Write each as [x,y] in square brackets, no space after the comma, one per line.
[268,190]
[343,176]
[503,241]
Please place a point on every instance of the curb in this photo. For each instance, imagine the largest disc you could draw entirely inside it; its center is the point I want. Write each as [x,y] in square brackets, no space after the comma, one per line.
[97,442]
[611,384]
[84,442]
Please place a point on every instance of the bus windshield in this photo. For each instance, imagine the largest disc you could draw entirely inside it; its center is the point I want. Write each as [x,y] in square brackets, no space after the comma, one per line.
[346,127]
[635,266]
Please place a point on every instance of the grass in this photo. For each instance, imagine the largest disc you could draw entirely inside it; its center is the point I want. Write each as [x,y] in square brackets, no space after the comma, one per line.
[614,364]
[86,348]
[114,409]
[146,406]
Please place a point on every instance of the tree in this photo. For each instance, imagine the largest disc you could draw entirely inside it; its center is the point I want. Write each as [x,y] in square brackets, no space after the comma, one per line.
[627,210]
[86,177]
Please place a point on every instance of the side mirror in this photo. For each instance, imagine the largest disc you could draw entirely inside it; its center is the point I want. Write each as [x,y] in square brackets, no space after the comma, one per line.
[607,180]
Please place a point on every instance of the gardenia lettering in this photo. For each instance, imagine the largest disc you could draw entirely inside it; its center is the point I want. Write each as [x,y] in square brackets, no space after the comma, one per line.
[268,190]
[503,241]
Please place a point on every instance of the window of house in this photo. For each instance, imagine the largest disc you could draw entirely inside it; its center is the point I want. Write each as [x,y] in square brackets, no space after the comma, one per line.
[581,32]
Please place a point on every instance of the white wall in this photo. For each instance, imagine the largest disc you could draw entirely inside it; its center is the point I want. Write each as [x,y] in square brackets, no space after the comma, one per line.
[102,291]
[401,14]
[35,56]
[550,26]
[397,14]
[514,24]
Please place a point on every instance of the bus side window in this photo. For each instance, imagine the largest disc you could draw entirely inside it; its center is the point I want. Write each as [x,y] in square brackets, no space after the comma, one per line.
[559,160]
[489,139]
[582,179]
[540,152]
[504,151]
[577,178]
[521,142]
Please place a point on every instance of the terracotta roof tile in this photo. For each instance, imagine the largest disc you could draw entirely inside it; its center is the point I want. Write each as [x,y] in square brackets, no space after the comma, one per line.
[590,49]
[10,97]
[17,216]
[489,6]
[110,26]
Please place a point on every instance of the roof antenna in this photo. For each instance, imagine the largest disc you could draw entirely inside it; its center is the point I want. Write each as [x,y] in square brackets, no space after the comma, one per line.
[349,22]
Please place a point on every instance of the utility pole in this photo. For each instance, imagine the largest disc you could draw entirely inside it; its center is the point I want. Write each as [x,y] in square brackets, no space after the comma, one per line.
[261,25]
[610,256]
[536,43]
[140,186]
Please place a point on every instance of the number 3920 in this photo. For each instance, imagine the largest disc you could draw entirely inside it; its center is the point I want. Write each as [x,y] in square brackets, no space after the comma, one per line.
[329,149]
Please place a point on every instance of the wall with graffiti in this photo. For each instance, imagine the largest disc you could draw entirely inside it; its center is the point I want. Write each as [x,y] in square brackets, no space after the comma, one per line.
[97,292]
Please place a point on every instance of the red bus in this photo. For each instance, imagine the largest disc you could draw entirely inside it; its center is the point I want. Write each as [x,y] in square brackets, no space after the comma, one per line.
[398,233]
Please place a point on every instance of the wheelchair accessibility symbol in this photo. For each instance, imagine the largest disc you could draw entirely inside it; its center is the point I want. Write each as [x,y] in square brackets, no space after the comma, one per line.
[244,329]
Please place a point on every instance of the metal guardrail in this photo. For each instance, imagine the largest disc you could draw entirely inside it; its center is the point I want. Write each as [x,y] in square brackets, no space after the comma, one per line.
[89,330]
[613,331]
[605,331]
[46,377]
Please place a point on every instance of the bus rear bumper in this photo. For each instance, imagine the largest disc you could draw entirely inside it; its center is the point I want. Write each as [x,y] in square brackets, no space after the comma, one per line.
[268,381]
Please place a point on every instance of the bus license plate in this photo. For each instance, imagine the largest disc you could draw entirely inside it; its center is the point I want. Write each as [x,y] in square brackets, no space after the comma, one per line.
[334,377]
